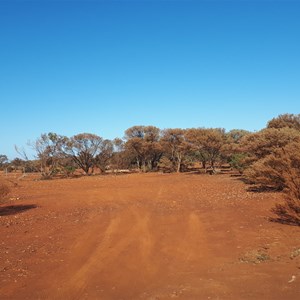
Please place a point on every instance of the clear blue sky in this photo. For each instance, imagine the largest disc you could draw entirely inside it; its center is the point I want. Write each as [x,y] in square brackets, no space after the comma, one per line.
[104,66]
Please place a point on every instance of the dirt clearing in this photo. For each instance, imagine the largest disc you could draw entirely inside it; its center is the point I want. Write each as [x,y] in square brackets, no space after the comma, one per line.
[152,236]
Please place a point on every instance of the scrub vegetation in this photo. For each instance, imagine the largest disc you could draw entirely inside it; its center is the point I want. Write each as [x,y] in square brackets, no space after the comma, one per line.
[269,158]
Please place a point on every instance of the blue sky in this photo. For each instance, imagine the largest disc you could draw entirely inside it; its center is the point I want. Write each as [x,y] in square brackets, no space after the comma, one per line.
[104,66]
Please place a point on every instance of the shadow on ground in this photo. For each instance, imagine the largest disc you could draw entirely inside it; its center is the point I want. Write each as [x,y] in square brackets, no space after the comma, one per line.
[262,189]
[15,209]
[286,214]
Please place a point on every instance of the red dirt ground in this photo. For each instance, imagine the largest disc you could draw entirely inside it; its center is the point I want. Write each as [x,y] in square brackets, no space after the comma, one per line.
[151,236]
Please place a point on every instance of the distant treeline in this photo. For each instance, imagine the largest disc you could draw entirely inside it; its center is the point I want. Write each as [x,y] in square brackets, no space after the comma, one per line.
[270,157]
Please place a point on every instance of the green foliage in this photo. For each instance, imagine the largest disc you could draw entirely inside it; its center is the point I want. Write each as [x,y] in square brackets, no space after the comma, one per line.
[69,170]
[238,161]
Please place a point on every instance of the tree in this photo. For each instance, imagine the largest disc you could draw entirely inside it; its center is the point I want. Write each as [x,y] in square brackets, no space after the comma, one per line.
[120,158]
[175,146]
[281,170]
[17,163]
[275,162]
[285,120]
[207,144]
[235,135]
[3,161]
[104,156]
[260,144]
[67,166]
[83,148]
[49,148]
[231,149]
[143,143]
[264,150]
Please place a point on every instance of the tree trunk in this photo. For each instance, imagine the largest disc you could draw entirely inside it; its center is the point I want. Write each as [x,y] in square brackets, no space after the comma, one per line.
[138,164]
[179,164]
[144,167]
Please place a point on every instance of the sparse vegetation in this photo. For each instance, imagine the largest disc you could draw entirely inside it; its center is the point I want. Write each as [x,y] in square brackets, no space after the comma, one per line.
[275,162]
[4,190]
[269,158]
[255,257]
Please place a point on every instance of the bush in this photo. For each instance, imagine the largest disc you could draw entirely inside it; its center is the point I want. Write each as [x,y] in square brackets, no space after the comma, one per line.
[166,165]
[289,212]
[4,190]
[238,161]
[281,170]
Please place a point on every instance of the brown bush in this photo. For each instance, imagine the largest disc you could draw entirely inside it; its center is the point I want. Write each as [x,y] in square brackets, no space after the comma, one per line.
[287,213]
[267,141]
[4,190]
[281,170]
[285,120]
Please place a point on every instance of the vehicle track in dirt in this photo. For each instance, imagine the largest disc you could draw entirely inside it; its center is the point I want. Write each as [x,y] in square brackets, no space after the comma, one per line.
[152,236]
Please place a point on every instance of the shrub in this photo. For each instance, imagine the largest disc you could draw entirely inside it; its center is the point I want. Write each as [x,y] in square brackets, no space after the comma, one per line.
[166,165]
[4,190]
[289,212]
[238,161]
[281,170]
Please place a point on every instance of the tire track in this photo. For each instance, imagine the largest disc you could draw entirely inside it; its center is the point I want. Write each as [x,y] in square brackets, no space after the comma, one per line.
[125,231]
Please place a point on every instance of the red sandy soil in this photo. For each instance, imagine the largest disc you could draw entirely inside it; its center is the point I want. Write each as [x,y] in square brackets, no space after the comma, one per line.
[151,236]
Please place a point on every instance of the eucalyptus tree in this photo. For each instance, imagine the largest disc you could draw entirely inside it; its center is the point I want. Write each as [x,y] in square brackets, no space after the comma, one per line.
[103,158]
[232,152]
[143,143]
[49,152]
[3,161]
[175,146]
[207,144]
[120,159]
[83,148]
